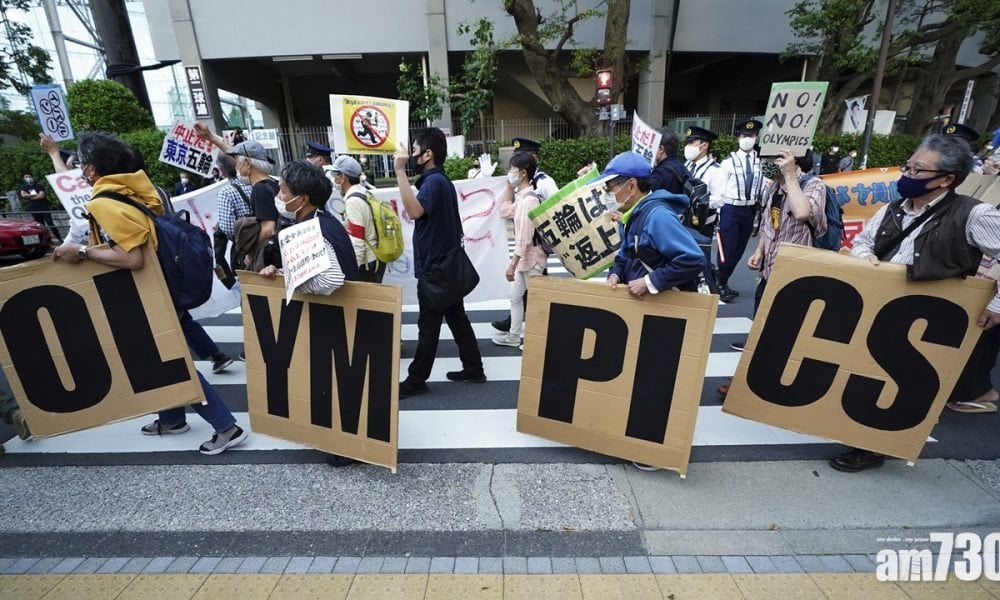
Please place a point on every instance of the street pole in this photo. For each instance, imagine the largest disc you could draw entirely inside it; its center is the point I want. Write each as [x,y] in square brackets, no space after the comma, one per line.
[112,24]
[59,40]
[883,55]
[611,139]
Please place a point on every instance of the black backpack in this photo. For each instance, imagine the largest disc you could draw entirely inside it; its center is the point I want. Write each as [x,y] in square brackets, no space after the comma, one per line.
[185,254]
[697,212]
[834,237]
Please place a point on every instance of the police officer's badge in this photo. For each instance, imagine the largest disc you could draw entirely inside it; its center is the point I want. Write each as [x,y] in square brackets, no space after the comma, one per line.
[517,144]
[750,125]
[950,129]
[689,131]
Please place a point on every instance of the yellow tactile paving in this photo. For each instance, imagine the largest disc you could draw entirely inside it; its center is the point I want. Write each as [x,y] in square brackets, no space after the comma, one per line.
[244,587]
[27,587]
[312,587]
[857,586]
[163,587]
[534,587]
[620,587]
[767,586]
[715,586]
[90,587]
[953,589]
[463,587]
[397,587]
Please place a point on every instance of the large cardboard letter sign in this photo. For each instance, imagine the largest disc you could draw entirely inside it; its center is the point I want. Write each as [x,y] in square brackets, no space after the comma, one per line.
[84,345]
[324,370]
[865,357]
[611,373]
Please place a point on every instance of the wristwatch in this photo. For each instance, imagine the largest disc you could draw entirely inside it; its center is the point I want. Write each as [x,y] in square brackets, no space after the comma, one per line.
[81,253]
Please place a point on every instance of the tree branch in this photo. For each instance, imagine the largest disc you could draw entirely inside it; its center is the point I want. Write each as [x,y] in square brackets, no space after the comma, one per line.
[973,72]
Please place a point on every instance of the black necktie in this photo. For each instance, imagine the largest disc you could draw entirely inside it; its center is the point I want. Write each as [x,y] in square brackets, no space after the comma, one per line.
[749,178]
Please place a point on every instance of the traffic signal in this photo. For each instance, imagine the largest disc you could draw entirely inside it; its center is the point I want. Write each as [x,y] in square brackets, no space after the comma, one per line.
[603,81]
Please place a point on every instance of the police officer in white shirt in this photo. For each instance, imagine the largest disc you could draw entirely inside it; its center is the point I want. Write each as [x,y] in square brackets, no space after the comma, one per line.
[741,195]
[701,165]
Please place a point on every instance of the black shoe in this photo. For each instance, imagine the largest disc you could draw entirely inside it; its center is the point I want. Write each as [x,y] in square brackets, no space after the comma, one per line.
[464,375]
[336,460]
[503,325]
[242,356]
[408,388]
[727,295]
[856,459]
[221,362]
[738,346]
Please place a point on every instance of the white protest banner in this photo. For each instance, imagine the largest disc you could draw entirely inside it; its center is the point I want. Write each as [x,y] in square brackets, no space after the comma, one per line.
[792,115]
[303,254]
[367,125]
[268,138]
[73,192]
[485,239]
[645,140]
[52,111]
[578,225]
[182,148]
[855,115]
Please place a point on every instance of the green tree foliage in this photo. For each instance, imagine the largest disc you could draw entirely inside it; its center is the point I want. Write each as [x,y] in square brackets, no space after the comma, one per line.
[18,159]
[105,105]
[20,124]
[472,91]
[22,63]
[149,142]
[426,101]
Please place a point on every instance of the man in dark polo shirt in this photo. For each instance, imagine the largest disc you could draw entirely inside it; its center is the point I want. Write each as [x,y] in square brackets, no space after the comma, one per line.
[437,228]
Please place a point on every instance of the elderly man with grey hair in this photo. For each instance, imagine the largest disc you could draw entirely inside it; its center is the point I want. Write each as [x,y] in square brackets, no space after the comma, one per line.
[938,234]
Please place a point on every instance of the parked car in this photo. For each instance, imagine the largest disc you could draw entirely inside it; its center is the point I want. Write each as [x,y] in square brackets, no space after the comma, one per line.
[27,238]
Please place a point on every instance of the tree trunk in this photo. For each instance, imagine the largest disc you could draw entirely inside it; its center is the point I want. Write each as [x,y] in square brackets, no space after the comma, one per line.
[934,83]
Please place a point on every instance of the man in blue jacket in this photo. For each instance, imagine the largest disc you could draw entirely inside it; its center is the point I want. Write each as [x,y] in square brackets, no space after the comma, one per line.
[657,252]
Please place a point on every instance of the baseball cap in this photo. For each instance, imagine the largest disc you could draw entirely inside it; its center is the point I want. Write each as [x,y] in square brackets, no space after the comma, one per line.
[626,164]
[250,149]
[346,165]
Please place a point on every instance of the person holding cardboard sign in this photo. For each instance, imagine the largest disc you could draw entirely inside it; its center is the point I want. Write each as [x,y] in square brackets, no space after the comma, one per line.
[108,165]
[936,232]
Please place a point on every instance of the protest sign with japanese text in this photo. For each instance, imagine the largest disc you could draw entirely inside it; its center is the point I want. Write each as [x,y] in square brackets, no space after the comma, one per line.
[860,195]
[303,254]
[182,148]
[645,140]
[324,370]
[52,111]
[856,353]
[84,344]
[605,371]
[367,125]
[578,225]
[792,115]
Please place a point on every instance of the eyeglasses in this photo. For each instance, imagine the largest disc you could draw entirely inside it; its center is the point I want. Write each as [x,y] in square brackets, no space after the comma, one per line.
[611,185]
[908,170]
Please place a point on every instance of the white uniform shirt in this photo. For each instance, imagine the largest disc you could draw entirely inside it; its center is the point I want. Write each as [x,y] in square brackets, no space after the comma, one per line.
[734,170]
[711,173]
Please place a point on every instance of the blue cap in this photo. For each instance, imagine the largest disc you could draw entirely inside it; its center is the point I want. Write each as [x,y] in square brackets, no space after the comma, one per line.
[314,149]
[627,164]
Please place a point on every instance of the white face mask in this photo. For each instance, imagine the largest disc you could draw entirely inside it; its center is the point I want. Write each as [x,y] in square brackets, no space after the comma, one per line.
[746,143]
[243,178]
[691,152]
[514,177]
[184,180]
[282,207]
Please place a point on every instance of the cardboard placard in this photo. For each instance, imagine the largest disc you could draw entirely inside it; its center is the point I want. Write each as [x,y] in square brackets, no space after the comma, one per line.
[856,353]
[981,187]
[303,254]
[368,125]
[182,148]
[73,192]
[84,345]
[608,372]
[578,225]
[645,140]
[861,194]
[52,111]
[324,370]
[793,111]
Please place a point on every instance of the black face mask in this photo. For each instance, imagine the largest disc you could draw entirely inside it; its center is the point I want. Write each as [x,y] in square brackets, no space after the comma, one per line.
[414,164]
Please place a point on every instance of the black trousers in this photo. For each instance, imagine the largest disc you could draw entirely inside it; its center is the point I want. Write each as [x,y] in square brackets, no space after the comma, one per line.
[976,378]
[45,219]
[429,332]
[373,272]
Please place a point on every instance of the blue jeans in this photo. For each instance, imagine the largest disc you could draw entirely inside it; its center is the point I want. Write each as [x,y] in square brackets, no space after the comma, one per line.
[202,345]
[215,413]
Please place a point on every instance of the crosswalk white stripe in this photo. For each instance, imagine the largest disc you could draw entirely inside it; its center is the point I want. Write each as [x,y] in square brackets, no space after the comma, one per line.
[233,334]
[498,368]
[418,430]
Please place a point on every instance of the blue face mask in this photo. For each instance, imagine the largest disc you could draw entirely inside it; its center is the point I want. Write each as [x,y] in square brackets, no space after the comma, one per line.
[912,188]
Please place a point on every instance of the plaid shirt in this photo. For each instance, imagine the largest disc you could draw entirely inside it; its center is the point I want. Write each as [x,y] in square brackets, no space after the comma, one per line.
[232,207]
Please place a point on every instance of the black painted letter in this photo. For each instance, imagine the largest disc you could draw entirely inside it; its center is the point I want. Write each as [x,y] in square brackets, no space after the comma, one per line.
[656,370]
[276,350]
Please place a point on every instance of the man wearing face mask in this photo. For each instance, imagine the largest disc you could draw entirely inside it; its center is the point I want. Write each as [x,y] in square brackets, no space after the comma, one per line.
[476,171]
[184,185]
[322,157]
[741,171]
[437,230]
[33,195]
[669,173]
[358,217]
[937,233]
[831,160]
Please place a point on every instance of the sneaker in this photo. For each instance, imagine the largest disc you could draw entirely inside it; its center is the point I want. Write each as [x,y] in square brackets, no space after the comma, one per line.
[220,363]
[738,346]
[503,325]
[645,467]
[155,428]
[464,375]
[727,295]
[220,442]
[336,460]
[20,425]
[856,459]
[507,339]
[242,357]
[409,388]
